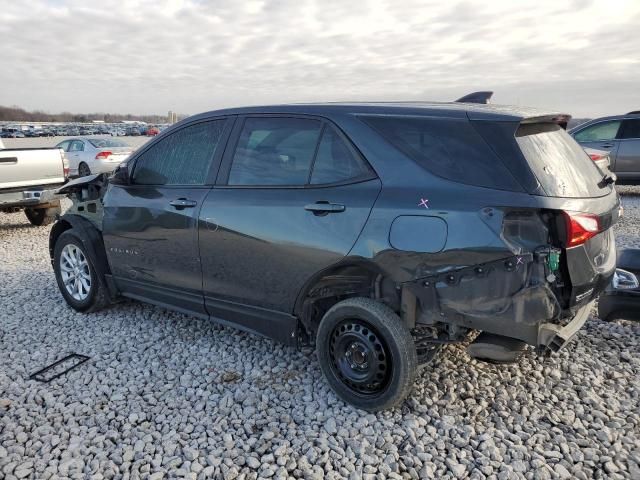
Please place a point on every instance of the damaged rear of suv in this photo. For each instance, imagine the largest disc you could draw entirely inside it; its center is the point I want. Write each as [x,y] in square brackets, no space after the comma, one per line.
[376,232]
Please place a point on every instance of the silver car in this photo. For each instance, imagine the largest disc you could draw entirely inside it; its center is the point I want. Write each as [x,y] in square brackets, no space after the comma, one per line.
[620,136]
[94,155]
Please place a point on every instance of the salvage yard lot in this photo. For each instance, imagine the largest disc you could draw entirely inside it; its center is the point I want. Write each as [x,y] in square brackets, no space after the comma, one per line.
[164,393]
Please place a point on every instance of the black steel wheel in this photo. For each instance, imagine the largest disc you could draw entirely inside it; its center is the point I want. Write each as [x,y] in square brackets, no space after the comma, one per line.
[366,353]
[359,357]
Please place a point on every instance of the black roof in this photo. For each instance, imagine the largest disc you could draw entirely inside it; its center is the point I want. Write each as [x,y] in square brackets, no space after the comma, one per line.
[449,109]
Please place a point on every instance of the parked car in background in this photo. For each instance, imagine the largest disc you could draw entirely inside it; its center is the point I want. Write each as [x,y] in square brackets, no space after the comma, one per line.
[117,132]
[600,158]
[620,136]
[28,179]
[13,134]
[152,132]
[374,232]
[133,131]
[94,155]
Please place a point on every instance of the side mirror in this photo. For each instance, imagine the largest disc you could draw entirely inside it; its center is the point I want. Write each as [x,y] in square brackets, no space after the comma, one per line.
[120,175]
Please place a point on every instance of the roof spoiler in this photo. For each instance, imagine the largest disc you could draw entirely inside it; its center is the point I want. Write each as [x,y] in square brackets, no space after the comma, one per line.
[476,97]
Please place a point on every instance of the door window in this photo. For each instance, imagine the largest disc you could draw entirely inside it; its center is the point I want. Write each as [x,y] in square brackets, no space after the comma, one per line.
[630,129]
[64,145]
[76,146]
[335,162]
[274,151]
[599,132]
[182,158]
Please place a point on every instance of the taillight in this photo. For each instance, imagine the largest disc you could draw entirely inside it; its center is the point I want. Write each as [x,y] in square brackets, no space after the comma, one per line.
[103,155]
[581,227]
[596,156]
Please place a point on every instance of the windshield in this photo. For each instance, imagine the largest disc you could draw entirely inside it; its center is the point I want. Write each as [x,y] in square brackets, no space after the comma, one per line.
[107,143]
[561,165]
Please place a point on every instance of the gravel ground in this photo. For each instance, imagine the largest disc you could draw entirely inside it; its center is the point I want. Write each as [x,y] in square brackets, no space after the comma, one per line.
[165,395]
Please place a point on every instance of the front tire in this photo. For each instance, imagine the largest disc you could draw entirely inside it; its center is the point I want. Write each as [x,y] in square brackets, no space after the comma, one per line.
[76,275]
[367,354]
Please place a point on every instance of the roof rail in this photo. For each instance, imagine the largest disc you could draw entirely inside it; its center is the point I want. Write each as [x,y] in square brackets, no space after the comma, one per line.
[635,112]
[476,97]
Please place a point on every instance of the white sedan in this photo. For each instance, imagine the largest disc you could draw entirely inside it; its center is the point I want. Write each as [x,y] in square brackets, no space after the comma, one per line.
[94,155]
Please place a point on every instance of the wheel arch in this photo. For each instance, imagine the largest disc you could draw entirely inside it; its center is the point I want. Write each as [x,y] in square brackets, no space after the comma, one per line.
[351,277]
[92,241]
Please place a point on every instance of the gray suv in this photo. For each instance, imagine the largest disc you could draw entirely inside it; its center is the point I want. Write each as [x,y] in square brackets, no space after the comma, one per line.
[375,232]
[620,136]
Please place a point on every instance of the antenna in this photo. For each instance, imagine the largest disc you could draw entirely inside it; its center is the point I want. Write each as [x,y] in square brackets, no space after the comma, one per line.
[476,97]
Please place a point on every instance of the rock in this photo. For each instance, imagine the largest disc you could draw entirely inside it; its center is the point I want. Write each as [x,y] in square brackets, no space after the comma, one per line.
[330,426]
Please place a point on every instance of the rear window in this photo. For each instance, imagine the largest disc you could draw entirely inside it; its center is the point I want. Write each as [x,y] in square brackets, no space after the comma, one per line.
[561,165]
[448,148]
[107,142]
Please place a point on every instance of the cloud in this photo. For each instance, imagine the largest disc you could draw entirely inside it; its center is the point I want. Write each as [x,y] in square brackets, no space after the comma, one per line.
[149,56]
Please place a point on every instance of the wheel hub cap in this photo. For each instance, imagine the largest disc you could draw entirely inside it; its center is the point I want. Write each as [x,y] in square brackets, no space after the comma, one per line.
[74,271]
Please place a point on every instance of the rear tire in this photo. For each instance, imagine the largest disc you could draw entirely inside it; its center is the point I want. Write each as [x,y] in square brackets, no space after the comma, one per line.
[84,170]
[367,354]
[42,216]
[76,275]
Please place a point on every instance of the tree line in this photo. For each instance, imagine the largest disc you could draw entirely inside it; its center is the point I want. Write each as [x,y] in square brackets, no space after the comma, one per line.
[17,114]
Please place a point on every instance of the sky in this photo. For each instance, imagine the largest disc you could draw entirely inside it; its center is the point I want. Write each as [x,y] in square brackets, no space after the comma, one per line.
[147,57]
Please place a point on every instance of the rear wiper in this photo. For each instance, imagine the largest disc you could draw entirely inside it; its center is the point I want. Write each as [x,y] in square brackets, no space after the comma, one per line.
[607,179]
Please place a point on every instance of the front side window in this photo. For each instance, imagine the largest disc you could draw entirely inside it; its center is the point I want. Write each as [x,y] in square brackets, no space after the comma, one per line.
[64,145]
[182,158]
[630,129]
[599,132]
[274,151]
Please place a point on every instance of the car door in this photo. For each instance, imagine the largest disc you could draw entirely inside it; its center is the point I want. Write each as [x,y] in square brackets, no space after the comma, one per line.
[602,136]
[291,199]
[74,155]
[150,226]
[628,156]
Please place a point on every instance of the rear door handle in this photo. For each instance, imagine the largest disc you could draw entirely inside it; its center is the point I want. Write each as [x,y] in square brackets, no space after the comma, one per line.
[322,208]
[180,203]
[607,145]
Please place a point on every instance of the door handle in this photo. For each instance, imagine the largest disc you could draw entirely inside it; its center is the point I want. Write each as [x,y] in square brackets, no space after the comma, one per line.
[9,160]
[322,208]
[607,145]
[180,203]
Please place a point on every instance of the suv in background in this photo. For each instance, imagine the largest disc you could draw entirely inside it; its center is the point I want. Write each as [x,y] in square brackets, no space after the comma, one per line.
[374,232]
[620,136]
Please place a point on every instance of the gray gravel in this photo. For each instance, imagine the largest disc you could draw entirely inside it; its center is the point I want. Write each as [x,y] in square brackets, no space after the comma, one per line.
[165,395]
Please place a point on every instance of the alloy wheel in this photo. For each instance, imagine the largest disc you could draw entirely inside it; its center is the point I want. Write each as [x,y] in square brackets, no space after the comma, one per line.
[75,273]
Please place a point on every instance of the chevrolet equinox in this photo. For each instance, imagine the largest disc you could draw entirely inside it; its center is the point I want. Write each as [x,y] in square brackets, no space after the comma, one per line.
[375,232]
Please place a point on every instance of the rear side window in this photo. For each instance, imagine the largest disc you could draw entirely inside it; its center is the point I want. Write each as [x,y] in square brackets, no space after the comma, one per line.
[275,151]
[561,165]
[449,148]
[335,161]
[182,158]
[630,129]
[598,132]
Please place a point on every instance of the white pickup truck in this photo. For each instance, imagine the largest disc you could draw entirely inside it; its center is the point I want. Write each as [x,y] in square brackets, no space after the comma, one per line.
[28,179]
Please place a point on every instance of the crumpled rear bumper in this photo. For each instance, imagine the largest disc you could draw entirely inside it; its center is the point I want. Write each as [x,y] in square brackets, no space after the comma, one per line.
[555,337]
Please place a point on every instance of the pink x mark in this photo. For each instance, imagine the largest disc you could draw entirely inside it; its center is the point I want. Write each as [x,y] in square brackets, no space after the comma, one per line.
[424,202]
